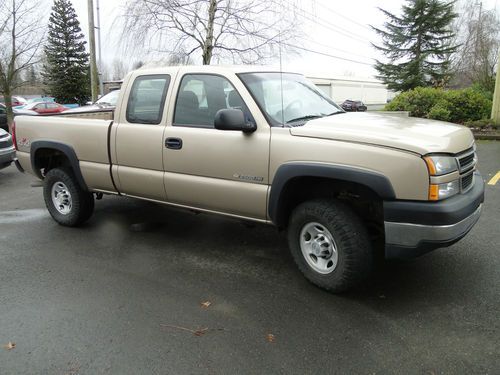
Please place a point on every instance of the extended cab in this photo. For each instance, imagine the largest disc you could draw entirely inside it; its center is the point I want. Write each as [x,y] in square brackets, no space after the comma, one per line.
[265,146]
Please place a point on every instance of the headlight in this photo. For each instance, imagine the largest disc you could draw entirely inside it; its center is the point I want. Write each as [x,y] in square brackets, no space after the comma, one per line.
[442,191]
[439,165]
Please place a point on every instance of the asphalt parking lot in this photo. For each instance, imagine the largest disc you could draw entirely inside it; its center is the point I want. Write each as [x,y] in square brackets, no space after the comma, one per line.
[124,294]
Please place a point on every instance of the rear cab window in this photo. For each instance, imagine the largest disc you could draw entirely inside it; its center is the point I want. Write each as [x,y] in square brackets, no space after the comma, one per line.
[146,100]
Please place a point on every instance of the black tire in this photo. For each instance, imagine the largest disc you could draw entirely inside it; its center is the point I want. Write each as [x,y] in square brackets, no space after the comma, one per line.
[82,202]
[355,259]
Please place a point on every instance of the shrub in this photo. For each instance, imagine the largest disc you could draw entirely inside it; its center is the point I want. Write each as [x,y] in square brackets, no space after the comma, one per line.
[440,111]
[484,123]
[467,105]
[459,106]
[418,101]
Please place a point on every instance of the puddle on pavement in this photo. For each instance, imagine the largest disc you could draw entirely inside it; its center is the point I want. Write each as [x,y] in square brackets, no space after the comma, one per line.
[19,216]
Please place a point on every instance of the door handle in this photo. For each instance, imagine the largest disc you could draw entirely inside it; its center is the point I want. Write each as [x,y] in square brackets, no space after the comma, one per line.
[173,143]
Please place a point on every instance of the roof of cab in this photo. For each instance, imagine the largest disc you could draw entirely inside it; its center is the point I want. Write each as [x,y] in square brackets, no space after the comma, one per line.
[206,69]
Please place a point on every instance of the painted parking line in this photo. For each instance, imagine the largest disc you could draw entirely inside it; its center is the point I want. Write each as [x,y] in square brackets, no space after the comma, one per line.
[494,179]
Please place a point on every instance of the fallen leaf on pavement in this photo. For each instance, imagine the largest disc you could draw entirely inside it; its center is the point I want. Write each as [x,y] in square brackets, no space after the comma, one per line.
[200,332]
[206,304]
[270,337]
[10,345]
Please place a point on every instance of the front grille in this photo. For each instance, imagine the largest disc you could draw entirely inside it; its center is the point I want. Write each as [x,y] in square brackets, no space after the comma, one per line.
[466,182]
[466,160]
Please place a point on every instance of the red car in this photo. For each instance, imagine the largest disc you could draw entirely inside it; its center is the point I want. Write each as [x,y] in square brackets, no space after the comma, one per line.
[42,108]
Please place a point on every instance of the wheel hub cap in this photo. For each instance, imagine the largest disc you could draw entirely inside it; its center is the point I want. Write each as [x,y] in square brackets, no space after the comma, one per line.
[61,198]
[318,248]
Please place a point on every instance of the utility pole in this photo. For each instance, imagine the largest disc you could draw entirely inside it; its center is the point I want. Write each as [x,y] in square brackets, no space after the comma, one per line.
[94,77]
[101,84]
[495,110]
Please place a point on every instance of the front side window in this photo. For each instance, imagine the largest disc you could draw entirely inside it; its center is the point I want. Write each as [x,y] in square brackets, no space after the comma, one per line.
[288,98]
[201,96]
[147,99]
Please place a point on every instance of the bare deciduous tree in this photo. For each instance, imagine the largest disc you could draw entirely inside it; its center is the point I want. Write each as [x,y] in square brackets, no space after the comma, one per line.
[479,37]
[21,37]
[242,30]
[119,70]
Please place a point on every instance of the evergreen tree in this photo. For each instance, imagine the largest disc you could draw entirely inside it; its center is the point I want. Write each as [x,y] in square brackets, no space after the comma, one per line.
[66,72]
[417,45]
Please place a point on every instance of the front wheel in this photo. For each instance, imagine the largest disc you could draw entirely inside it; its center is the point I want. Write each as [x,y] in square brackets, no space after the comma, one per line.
[330,244]
[67,202]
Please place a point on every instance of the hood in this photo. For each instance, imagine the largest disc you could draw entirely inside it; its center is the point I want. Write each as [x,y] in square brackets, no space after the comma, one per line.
[418,135]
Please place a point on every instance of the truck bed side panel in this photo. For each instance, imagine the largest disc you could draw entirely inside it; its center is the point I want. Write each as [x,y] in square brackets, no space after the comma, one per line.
[87,137]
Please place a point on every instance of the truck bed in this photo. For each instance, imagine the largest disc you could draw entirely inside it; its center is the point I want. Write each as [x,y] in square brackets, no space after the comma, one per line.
[88,137]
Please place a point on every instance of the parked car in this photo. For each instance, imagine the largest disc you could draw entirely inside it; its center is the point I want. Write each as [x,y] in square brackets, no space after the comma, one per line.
[41,108]
[3,118]
[342,184]
[7,150]
[353,106]
[16,101]
[105,102]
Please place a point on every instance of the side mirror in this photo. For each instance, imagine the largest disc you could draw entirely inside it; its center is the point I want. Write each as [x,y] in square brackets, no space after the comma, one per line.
[233,119]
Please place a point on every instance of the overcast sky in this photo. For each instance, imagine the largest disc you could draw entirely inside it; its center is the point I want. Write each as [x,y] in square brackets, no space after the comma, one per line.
[338,28]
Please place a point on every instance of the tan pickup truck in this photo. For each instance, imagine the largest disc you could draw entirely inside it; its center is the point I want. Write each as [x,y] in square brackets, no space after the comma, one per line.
[266,146]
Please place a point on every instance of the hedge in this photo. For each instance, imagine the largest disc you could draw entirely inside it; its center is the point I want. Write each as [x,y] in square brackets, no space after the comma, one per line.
[458,106]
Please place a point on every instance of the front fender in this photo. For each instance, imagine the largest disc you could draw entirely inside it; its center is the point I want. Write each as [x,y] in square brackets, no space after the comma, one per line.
[289,171]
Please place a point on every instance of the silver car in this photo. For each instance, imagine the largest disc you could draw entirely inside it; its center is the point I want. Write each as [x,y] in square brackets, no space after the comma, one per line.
[7,149]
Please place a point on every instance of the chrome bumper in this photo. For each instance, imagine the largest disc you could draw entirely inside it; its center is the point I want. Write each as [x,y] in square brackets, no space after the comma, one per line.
[404,234]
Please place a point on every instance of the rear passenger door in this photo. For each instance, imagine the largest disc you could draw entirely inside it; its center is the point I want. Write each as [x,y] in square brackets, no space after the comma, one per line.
[216,170]
[139,138]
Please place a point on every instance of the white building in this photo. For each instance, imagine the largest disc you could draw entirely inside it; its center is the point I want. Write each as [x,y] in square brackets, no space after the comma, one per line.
[370,91]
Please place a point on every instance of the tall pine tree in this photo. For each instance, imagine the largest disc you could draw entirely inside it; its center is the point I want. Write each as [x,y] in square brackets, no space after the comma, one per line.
[66,72]
[417,45]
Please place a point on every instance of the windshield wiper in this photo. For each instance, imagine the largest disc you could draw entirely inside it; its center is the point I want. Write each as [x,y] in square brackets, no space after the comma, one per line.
[308,117]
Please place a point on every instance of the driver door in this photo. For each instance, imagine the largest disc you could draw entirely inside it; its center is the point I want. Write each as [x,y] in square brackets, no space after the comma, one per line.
[215,170]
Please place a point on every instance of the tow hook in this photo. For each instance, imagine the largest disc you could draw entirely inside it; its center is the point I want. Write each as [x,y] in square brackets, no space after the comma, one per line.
[98,196]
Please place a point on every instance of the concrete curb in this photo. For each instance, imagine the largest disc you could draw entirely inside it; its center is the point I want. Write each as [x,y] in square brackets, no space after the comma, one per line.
[487,136]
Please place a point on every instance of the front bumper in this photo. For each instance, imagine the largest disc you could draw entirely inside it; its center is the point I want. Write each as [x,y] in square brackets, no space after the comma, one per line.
[415,228]
[7,156]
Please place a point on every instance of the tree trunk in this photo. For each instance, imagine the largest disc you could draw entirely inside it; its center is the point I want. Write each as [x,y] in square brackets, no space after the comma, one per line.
[209,41]
[495,110]
[7,94]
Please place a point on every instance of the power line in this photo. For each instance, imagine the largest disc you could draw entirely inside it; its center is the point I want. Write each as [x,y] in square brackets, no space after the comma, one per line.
[301,48]
[338,49]
[326,24]
[327,54]
[343,16]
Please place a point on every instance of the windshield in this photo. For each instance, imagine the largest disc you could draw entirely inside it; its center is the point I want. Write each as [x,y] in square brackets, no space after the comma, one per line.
[298,101]
[110,98]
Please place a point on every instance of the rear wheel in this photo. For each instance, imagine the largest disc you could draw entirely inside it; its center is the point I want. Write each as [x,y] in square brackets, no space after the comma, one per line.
[66,201]
[330,244]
